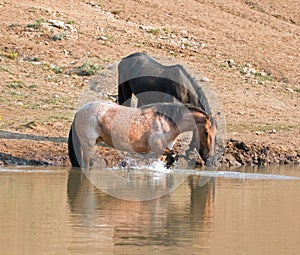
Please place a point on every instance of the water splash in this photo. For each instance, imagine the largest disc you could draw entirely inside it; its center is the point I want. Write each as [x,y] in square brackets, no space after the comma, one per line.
[234,175]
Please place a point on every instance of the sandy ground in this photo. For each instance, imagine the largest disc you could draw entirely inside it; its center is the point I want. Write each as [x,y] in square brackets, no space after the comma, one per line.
[249,51]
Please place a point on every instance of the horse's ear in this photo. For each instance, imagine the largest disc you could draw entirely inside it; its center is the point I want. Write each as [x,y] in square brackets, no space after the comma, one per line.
[217,116]
[207,123]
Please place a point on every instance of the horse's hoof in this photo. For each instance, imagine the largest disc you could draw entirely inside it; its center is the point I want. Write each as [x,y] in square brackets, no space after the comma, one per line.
[124,163]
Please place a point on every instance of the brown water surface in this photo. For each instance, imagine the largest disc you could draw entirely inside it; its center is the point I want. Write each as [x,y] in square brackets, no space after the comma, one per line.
[53,210]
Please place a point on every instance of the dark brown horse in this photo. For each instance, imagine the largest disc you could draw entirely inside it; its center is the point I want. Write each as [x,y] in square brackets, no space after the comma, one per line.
[152,82]
[152,128]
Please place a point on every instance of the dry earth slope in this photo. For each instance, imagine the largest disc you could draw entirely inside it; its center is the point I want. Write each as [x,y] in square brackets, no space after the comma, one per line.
[49,51]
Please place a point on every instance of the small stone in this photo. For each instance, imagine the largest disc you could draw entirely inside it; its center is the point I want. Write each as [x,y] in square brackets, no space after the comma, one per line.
[103,38]
[232,161]
[230,62]
[290,90]
[252,71]
[205,79]
[259,133]
[262,73]
[146,28]
[57,23]
[284,80]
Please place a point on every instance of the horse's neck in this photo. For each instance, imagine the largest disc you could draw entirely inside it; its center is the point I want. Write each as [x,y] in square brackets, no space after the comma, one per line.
[189,120]
[199,117]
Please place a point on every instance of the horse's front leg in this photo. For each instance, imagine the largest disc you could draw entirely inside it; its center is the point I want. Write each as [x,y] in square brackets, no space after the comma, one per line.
[170,157]
[163,148]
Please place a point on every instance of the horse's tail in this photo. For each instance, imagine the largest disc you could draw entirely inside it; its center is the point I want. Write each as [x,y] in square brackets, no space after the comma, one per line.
[74,140]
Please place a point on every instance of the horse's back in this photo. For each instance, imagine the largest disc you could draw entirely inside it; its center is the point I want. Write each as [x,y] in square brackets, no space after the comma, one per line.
[143,65]
[89,114]
[138,65]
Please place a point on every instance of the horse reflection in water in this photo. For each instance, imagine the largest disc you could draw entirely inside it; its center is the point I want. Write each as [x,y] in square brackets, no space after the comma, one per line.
[151,128]
[139,223]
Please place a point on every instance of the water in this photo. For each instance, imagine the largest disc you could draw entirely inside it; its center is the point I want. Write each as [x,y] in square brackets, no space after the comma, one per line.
[51,210]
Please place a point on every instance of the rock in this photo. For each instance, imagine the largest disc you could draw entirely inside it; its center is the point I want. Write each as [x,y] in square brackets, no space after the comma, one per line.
[231,160]
[230,63]
[103,38]
[259,133]
[284,80]
[57,23]
[241,146]
[290,90]
[146,28]
[273,131]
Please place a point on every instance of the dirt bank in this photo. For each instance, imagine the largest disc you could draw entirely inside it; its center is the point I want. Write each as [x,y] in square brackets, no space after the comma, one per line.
[248,50]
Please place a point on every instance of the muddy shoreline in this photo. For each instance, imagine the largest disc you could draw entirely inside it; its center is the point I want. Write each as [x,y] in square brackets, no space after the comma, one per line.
[237,153]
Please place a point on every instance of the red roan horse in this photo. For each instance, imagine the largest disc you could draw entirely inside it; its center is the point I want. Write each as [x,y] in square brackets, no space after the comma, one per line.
[151,82]
[151,128]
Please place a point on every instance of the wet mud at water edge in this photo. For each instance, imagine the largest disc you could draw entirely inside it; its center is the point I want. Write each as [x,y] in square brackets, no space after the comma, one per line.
[29,149]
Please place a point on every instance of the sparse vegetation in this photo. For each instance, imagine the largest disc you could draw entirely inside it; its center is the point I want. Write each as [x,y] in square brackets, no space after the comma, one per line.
[87,69]
[13,25]
[154,31]
[70,22]
[57,69]
[33,86]
[16,85]
[9,54]
[262,76]
[36,25]
[59,37]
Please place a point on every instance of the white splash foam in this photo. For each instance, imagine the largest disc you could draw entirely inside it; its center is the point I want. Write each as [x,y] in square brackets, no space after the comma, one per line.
[159,166]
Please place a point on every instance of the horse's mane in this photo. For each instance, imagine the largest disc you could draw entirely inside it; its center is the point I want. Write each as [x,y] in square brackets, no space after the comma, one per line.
[172,112]
[198,89]
[199,109]
[196,108]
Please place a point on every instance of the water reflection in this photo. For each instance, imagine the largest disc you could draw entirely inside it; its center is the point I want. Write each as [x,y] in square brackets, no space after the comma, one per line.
[161,221]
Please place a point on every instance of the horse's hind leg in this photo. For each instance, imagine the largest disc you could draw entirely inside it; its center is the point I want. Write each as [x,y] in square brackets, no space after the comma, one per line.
[124,94]
[87,150]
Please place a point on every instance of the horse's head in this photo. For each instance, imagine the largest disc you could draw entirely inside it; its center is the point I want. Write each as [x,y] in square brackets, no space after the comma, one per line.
[207,138]
[204,140]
